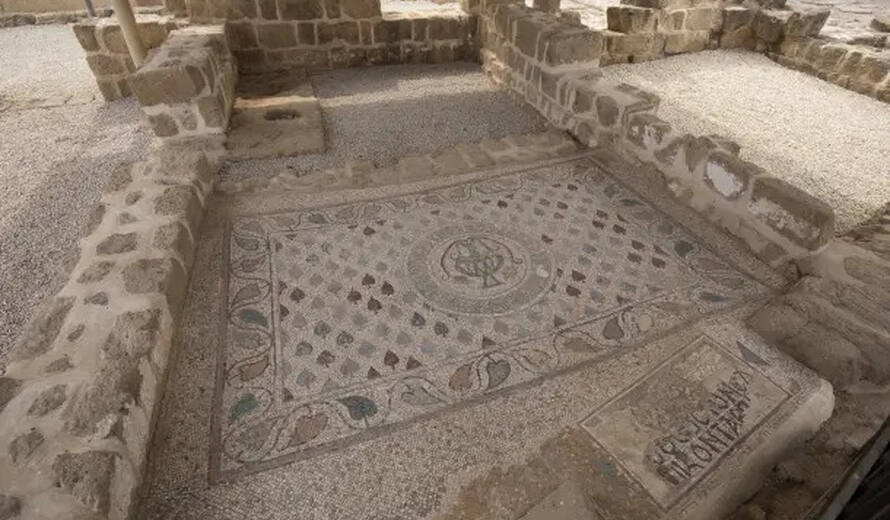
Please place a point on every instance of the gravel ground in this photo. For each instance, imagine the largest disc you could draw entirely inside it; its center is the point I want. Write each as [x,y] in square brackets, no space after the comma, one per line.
[828,141]
[383,113]
[54,163]
[43,66]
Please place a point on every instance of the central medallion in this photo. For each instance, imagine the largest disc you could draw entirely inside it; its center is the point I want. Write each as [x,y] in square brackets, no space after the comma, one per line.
[477,268]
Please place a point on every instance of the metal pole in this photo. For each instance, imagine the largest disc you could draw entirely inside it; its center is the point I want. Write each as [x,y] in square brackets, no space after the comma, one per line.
[127,20]
[90,10]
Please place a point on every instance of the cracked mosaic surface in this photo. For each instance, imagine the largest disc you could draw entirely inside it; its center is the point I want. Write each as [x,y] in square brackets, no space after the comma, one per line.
[342,323]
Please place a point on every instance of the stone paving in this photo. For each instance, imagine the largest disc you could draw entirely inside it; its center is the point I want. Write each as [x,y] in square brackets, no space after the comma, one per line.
[390,353]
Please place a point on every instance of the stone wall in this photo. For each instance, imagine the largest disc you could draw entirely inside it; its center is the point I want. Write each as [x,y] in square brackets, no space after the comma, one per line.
[107,53]
[187,87]
[79,396]
[265,34]
[553,67]
[849,66]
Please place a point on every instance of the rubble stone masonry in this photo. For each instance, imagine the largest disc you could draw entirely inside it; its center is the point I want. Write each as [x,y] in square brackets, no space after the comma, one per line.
[187,87]
[107,53]
[553,66]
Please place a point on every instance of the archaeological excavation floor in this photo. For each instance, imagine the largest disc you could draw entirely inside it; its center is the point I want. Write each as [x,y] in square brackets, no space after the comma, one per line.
[831,142]
[462,346]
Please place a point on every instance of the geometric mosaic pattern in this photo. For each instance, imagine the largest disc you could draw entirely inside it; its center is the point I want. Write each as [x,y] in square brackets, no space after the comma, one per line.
[344,321]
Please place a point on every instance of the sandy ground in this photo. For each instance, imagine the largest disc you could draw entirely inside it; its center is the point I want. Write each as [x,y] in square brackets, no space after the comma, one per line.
[54,162]
[829,141]
[384,113]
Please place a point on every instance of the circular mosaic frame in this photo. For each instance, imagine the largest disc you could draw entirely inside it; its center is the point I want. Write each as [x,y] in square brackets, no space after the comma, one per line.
[430,265]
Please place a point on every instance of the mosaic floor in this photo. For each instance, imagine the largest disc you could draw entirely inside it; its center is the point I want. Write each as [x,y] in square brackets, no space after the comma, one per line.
[347,322]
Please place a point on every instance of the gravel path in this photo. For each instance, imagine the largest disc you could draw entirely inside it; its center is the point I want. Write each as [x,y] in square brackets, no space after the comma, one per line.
[54,163]
[828,141]
[383,113]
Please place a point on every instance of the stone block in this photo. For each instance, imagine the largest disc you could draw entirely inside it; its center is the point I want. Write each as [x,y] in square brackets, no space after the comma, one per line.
[528,30]
[241,35]
[445,28]
[573,46]
[873,69]
[212,110]
[387,31]
[87,476]
[163,125]
[881,21]
[739,38]
[703,19]
[301,9]
[360,8]
[331,8]
[306,33]
[277,35]
[105,65]
[647,131]
[157,275]
[769,25]
[86,36]
[686,41]
[152,33]
[727,175]
[178,83]
[268,9]
[313,59]
[806,22]
[548,6]
[344,32]
[830,56]
[735,18]
[9,388]
[112,38]
[39,335]
[20,451]
[619,44]
[793,213]
[629,19]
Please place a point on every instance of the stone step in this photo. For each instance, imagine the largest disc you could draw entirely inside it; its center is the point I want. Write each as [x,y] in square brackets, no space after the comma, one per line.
[840,330]
[275,114]
[464,158]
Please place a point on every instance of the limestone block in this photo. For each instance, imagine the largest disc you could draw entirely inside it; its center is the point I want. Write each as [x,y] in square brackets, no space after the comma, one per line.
[548,6]
[527,31]
[445,28]
[299,10]
[629,19]
[872,70]
[277,35]
[105,64]
[344,32]
[167,82]
[686,41]
[241,35]
[769,25]
[86,36]
[881,21]
[87,476]
[806,22]
[268,9]
[735,18]
[703,19]
[573,46]
[360,8]
[791,212]
[619,44]
[40,333]
[647,131]
[727,175]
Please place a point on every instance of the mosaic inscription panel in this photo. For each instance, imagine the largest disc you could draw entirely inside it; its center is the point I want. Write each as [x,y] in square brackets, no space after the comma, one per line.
[343,321]
[673,427]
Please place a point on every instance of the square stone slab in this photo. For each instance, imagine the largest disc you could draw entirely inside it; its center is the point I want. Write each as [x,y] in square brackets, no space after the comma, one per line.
[275,115]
